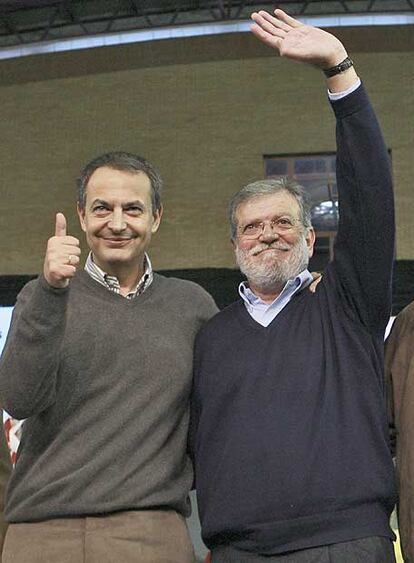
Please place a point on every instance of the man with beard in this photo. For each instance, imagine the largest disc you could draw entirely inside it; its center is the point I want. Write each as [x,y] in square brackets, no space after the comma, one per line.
[289,426]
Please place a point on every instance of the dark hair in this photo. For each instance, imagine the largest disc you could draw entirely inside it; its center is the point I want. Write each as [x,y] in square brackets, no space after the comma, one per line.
[268,187]
[124,161]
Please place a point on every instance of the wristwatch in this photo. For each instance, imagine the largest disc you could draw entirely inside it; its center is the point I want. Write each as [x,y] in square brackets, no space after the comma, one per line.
[341,67]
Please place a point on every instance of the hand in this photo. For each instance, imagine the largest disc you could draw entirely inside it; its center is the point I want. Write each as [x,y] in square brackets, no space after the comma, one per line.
[62,255]
[297,41]
[317,276]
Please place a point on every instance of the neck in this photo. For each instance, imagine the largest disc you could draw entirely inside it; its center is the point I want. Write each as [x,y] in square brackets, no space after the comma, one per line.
[127,276]
[128,283]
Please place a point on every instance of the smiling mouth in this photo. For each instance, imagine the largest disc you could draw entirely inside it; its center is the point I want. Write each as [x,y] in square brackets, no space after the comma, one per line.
[272,249]
[117,242]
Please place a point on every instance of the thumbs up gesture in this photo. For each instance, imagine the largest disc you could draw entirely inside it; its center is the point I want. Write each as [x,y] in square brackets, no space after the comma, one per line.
[62,255]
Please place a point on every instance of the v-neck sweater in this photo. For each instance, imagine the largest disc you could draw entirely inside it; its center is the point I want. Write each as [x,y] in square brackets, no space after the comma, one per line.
[289,420]
[104,384]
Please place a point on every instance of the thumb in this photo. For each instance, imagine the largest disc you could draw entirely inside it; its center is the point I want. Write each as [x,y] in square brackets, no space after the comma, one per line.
[60,226]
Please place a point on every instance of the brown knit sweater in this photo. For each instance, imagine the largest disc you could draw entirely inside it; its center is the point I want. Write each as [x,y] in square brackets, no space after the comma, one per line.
[399,370]
[104,383]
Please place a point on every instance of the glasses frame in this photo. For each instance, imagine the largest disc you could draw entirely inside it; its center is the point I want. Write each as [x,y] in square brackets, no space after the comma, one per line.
[276,225]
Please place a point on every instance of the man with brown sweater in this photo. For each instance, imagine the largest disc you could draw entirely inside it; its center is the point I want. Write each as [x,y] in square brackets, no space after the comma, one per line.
[99,362]
[399,371]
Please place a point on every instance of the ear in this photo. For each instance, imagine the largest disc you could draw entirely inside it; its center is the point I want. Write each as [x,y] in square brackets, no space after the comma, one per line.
[81,215]
[156,219]
[310,241]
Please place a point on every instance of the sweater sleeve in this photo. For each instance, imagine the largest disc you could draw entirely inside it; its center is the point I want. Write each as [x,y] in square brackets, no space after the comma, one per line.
[364,247]
[30,359]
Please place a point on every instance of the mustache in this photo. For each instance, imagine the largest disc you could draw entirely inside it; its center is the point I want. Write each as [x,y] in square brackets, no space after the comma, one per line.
[258,248]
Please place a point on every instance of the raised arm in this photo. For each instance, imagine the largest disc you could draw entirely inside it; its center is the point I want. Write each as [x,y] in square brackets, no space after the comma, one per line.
[365,241]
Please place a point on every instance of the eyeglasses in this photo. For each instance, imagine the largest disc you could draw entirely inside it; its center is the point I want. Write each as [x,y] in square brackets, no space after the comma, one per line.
[280,226]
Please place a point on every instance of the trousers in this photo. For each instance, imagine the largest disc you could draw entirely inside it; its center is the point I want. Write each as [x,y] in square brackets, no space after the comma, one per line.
[148,536]
[365,550]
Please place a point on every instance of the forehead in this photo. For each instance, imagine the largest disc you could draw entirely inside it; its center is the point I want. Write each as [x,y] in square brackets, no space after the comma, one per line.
[112,185]
[268,206]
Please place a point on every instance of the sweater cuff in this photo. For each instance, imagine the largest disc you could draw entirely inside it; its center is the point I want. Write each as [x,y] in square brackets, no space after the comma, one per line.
[354,102]
[47,298]
[54,290]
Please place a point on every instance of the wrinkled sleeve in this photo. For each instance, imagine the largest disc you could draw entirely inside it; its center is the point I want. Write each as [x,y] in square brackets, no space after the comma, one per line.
[30,359]
[364,247]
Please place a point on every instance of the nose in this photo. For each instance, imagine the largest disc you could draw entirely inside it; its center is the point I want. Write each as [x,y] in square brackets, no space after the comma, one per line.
[117,223]
[268,234]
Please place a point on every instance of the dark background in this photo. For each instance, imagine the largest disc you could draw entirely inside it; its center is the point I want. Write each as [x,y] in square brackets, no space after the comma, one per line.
[222,283]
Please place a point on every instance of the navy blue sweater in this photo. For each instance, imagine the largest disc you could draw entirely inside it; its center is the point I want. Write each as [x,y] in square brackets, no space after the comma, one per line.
[290,432]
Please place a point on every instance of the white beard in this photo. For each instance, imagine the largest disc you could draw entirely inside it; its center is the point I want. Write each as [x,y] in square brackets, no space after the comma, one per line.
[270,271]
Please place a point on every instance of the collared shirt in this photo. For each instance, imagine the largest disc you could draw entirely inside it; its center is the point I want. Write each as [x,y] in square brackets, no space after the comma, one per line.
[264,313]
[112,282]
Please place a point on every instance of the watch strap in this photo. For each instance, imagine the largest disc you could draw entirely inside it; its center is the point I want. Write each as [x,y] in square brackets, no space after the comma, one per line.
[337,69]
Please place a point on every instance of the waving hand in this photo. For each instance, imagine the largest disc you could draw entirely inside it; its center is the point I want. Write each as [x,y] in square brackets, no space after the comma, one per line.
[296,40]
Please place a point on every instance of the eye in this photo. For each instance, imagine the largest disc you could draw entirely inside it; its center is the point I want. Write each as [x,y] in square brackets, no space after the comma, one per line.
[252,228]
[99,209]
[283,223]
[133,210]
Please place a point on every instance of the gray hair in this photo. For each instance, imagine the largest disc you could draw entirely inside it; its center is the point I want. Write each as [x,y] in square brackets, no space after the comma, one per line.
[123,161]
[269,187]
